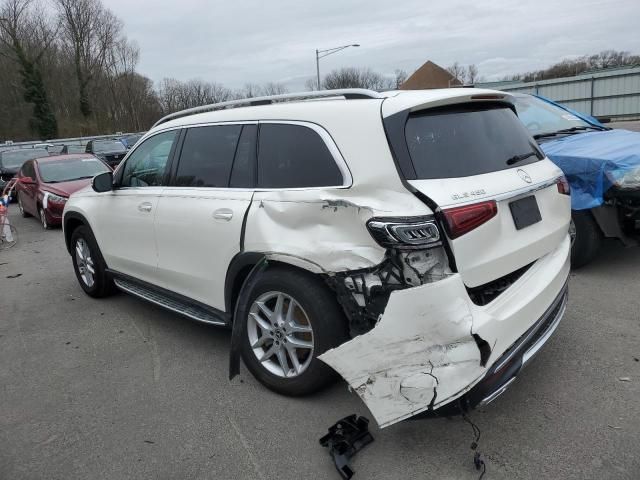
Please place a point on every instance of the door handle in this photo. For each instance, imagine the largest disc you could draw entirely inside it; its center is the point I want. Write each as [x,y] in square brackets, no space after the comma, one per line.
[223,214]
[145,207]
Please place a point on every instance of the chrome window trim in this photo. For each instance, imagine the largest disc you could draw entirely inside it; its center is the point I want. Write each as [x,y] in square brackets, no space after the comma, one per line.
[347,178]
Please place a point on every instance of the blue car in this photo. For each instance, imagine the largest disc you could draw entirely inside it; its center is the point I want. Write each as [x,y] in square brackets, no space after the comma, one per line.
[603,169]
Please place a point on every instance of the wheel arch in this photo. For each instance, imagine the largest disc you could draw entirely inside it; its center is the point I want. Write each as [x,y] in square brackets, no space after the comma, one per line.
[70,222]
[243,263]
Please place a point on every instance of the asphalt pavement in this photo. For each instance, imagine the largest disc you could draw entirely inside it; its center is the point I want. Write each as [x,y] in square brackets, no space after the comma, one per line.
[121,389]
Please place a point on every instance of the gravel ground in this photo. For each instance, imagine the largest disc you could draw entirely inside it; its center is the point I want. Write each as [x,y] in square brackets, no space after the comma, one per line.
[118,388]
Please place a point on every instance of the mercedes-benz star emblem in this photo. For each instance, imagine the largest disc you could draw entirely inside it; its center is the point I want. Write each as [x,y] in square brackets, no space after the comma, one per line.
[524,175]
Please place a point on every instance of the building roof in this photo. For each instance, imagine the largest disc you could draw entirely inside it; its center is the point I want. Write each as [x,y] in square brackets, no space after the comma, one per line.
[430,75]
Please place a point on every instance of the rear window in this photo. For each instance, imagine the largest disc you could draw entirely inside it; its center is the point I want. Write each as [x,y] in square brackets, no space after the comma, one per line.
[465,141]
[293,156]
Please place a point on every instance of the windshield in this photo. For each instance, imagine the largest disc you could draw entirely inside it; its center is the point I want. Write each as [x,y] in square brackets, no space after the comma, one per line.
[460,142]
[541,117]
[70,169]
[15,158]
[109,146]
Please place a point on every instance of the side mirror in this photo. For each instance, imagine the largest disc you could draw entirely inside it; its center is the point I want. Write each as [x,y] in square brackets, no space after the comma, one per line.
[103,182]
[27,180]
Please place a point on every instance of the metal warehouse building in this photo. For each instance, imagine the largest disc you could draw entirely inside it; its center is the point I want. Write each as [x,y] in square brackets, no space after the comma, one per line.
[611,93]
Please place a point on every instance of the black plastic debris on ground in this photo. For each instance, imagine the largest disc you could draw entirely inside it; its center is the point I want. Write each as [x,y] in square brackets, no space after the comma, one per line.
[347,437]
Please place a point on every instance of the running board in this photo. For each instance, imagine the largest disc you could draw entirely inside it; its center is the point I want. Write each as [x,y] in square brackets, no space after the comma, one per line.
[178,306]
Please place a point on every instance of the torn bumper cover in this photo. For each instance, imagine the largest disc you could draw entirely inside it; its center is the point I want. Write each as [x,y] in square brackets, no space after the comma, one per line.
[425,354]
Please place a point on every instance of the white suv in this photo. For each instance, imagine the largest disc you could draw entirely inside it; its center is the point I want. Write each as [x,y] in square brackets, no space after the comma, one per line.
[416,242]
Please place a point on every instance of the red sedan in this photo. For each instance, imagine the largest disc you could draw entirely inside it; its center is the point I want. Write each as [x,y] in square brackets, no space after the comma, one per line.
[45,184]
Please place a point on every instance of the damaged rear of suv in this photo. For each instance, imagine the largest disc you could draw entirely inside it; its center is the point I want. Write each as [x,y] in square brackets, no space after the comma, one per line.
[415,242]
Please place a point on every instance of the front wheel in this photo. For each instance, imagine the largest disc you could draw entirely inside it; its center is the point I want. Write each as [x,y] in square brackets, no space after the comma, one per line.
[586,238]
[89,265]
[291,318]
[43,219]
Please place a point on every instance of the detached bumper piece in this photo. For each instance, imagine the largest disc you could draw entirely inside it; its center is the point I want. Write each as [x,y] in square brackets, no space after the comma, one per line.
[346,438]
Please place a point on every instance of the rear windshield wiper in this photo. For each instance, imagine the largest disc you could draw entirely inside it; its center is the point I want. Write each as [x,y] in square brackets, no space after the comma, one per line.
[519,158]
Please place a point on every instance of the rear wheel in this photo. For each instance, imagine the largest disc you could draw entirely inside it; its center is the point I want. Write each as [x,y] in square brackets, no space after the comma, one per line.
[291,319]
[89,265]
[586,238]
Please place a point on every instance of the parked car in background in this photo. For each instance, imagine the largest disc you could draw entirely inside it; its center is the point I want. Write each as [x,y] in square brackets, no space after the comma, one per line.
[110,151]
[67,149]
[55,149]
[12,160]
[602,166]
[416,242]
[130,140]
[45,184]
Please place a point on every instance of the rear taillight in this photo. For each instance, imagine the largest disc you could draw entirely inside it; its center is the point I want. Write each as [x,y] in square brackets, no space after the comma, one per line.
[405,232]
[563,186]
[461,220]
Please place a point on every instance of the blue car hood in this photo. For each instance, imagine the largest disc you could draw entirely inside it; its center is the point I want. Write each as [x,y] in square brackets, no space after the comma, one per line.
[593,161]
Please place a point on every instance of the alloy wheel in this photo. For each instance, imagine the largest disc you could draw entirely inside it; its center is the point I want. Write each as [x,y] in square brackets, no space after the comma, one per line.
[280,334]
[84,261]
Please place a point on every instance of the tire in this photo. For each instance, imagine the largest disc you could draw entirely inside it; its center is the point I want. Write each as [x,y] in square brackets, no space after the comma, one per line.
[43,219]
[588,238]
[21,207]
[101,285]
[316,306]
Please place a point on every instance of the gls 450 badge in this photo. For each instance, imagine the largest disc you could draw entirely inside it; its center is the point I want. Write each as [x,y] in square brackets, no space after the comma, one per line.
[471,194]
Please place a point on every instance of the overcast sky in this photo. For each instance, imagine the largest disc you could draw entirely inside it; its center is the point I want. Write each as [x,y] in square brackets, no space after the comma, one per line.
[241,41]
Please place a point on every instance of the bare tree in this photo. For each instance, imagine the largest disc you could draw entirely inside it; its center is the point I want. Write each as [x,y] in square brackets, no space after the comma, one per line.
[89,33]
[311,84]
[458,71]
[401,77]
[26,36]
[357,78]
[175,95]
[472,74]
[273,88]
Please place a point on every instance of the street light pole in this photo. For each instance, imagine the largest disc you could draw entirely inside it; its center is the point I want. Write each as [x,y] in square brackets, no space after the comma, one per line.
[318,68]
[325,53]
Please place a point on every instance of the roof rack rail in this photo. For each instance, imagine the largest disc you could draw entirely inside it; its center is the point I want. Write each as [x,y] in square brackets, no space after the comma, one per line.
[347,93]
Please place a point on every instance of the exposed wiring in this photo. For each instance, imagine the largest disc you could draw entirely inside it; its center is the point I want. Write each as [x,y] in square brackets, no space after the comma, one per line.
[478,459]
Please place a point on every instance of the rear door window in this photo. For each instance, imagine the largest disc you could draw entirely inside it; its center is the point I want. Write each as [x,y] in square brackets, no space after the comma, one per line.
[466,141]
[207,156]
[294,156]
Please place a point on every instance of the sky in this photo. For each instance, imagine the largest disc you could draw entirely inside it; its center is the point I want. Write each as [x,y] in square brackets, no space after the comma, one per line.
[252,41]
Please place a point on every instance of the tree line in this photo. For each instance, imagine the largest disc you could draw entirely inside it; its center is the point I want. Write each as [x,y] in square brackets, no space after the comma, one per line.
[576,66]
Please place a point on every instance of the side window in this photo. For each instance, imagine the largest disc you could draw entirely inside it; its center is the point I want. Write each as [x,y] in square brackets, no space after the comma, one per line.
[88,147]
[291,156]
[244,165]
[207,156]
[146,165]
